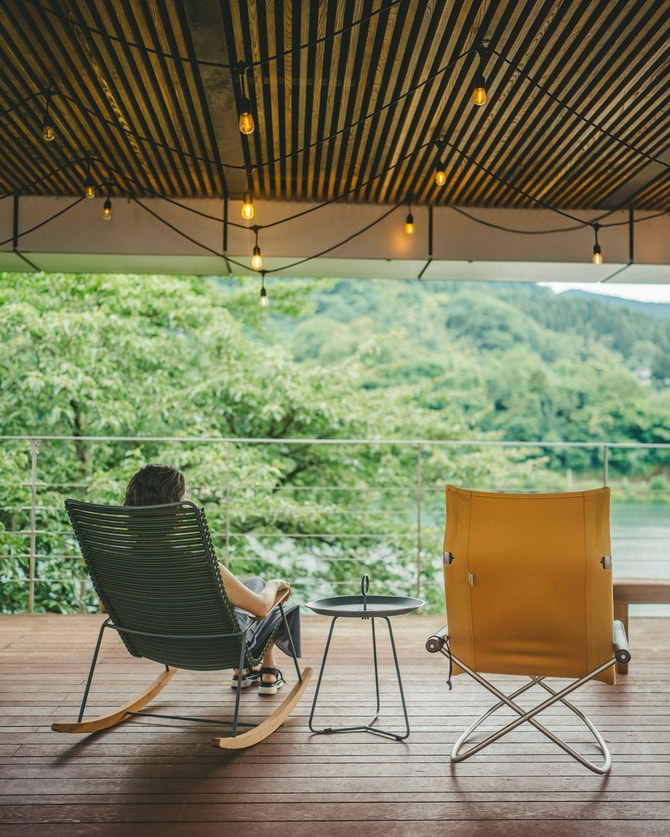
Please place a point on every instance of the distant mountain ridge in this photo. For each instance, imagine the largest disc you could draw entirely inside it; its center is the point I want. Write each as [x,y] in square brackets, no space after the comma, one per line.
[485,315]
[651,309]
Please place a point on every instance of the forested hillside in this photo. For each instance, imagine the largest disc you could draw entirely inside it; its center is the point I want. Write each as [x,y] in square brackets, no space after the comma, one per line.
[486,317]
[520,361]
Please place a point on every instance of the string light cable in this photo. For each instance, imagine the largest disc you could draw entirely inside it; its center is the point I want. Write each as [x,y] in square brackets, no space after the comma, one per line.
[26,187]
[372,114]
[91,30]
[156,145]
[444,143]
[324,39]
[574,112]
[441,142]
[321,253]
[355,124]
[17,105]
[580,223]
[175,229]
[335,246]
[385,8]
[241,265]
[44,222]
[578,226]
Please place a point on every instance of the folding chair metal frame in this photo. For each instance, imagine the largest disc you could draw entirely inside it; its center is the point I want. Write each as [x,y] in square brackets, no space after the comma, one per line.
[439,642]
[460,533]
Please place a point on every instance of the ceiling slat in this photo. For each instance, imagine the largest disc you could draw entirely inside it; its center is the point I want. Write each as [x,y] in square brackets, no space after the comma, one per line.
[349,99]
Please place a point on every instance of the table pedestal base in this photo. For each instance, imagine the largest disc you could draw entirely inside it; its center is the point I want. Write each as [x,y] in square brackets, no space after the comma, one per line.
[363,727]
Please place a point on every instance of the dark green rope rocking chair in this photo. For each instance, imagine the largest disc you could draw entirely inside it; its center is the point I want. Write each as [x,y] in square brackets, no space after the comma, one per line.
[155,571]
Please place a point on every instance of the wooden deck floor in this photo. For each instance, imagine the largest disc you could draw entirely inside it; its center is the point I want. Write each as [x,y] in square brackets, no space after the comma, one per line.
[164,778]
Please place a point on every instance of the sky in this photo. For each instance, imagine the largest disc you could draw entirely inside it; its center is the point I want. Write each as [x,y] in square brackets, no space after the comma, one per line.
[644,293]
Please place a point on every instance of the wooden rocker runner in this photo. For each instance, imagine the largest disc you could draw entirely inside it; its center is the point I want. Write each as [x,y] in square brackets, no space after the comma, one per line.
[155,571]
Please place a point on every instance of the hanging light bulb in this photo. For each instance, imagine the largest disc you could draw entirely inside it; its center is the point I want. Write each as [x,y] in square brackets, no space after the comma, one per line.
[107,206]
[89,185]
[256,258]
[479,92]
[440,175]
[263,301]
[409,223]
[597,252]
[48,130]
[246,122]
[248,207]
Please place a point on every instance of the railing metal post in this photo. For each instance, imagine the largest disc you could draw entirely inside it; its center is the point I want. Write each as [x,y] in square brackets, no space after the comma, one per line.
[33,525]
[226,555]
[606,475]
[419,489]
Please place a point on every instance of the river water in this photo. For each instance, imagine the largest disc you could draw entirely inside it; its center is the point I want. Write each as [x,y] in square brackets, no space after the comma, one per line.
[641,546]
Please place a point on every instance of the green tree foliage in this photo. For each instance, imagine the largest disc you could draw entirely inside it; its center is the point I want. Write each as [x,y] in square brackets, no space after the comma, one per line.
[94,356]
[165,358]
[520,362]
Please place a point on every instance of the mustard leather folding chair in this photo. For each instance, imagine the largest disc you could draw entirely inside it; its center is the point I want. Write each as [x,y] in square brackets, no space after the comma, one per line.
[155,571]
[528,585]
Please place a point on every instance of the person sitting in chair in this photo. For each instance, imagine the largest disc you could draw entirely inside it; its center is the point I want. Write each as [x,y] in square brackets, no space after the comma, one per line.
[256,602]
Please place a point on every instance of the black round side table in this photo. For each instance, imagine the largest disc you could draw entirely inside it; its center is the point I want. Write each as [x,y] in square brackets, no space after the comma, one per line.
[367,608]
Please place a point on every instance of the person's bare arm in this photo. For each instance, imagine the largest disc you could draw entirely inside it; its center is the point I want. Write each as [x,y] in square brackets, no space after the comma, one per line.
[259,604]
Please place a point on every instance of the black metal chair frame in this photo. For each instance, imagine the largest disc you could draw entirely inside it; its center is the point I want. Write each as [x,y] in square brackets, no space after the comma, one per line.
[108,535]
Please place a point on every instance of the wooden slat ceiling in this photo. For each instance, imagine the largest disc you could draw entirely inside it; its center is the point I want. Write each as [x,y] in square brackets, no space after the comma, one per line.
[354,101]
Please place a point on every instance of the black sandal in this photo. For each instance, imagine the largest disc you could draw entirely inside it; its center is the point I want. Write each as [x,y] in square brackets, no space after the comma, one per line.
[249,677]
[270,688]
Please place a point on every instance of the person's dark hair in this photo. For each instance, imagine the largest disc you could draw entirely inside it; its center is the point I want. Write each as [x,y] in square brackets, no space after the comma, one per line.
[154,485]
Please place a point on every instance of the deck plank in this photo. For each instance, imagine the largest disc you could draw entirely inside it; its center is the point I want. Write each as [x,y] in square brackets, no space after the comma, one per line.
[159,777]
